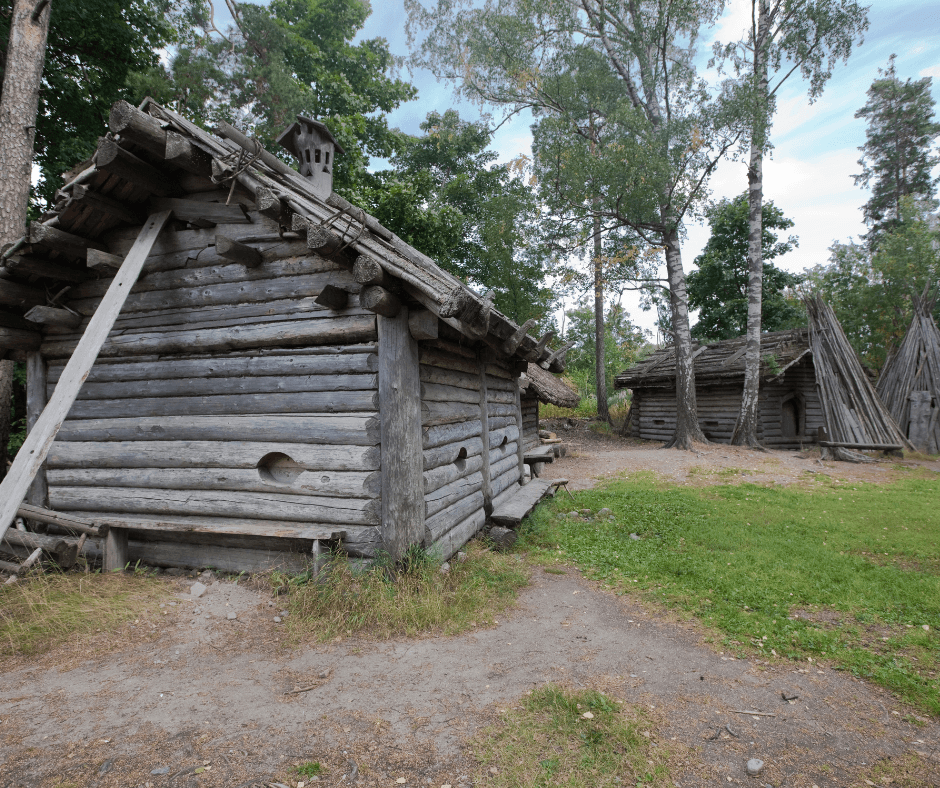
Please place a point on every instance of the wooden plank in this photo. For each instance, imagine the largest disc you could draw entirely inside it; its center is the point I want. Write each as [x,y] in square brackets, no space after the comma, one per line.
[403,512]
[189,454]
[518,417]
[485,420]
[223,559]
[115,550]
[32,454]
[43,515]
[511,513]
[331,483]
[238,252]
[38,493]
[352,429]
[53,316]
[262,506]
[202,211]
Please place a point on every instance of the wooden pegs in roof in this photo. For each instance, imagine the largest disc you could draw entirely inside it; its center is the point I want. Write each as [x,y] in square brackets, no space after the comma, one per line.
[469,309]
[557,356]
[536,352]
[113,159]
[333,297]
[511,345]
[182,153]
[53,316]
[370,272]
[237,252]
[323,240]
[138,127]
[272,206]
[379,300]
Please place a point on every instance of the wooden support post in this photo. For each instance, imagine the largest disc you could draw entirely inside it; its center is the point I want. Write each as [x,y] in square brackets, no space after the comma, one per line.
[423,324]
[103,262]
[485,418]
[520,449]
[402,458]
[53,316]
[237,252]
[333,297]
[369,272]
[379,300]
[115,550]
[35,448]
[38,494]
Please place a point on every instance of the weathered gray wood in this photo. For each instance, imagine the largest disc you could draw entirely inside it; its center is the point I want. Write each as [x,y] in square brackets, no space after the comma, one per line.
[60,241]
[919,420]
[521,456]
[511,513]
[261,231]
[504,435]
[403,512]
[332,297]
[240,404]
[450,493]
[451,452]
[182,153]
[423,324]
[237,252]
[447,377]
[446,474]
[355,430]
[337,363]
[507,398]
[43,515]
[352,329]
[263,506]
[379,300]
[199,210]
[485,420]
[436,358]
[29,265]
[449,433]
[198,386]
[508,479]
[36,399]
[32,454]
[98,202]
[437,392]
[507,491]
[114,160]
[437,413]
[233,454]
[324,240]
[64,551]
[368,271]
[17,339]
[138,127]
[9,320]
[115,550]
[441,522]
[105,262]
[272,206]
[452,540]
[53,316]
[501,453]
[503,466]
[501,422]
[22,296]
[321,483]
[512,344]
[212,556]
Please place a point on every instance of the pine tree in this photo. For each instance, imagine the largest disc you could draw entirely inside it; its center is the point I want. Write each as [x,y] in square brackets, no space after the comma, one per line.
[897,157]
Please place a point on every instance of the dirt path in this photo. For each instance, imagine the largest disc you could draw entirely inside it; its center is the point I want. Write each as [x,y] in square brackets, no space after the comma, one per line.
[199,690]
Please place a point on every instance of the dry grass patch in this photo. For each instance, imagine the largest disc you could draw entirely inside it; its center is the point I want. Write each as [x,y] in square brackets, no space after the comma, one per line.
[561,737]
[46,609]
[418,600]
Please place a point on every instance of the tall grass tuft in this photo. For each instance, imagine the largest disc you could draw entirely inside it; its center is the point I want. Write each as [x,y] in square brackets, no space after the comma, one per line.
[419,599]
[45,609]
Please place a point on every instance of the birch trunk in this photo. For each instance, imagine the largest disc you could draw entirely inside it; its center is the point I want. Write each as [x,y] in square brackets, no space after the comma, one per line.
[745,430]
[600,369]
[26,51]
[687,427]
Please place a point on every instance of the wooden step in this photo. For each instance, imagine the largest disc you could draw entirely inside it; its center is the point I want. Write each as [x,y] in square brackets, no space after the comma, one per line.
[543,454]
[511,513]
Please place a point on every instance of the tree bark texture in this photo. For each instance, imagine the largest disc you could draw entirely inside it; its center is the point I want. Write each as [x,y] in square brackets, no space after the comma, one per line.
[26,52]
[600,369]
[745,431]
[687,426]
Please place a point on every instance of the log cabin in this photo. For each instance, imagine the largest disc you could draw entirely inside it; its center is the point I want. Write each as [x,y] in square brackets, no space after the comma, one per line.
[284,377]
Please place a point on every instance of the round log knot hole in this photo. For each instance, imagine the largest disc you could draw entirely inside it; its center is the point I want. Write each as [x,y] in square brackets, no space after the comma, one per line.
[277,468]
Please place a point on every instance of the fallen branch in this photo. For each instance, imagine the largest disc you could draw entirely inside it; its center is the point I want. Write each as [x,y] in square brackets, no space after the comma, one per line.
[754,713]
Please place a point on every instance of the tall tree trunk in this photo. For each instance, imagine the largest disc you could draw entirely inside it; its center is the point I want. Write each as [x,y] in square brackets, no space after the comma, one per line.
[745,430]
[19,101]
[687,427]
[600,368]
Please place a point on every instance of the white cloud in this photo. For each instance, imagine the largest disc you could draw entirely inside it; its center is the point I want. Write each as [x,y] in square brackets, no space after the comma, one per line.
[930,71]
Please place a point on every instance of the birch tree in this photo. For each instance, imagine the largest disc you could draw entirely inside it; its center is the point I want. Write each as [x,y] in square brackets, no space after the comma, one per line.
[666,130]
[29,27]
[784,37]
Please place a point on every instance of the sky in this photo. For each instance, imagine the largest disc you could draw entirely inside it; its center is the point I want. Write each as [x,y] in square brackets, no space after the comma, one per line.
[809,172]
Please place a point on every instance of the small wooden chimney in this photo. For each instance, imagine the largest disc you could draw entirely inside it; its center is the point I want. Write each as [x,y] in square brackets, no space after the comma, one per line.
[315,148]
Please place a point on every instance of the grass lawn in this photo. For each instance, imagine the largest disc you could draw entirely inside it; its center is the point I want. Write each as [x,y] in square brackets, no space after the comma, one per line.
[848,574]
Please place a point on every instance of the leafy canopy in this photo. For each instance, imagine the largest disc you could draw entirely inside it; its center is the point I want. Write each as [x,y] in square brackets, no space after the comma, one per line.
[718,289]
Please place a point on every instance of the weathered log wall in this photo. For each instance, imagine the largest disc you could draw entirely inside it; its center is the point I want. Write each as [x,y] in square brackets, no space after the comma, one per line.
[225,392]
[654,411]
[530,422]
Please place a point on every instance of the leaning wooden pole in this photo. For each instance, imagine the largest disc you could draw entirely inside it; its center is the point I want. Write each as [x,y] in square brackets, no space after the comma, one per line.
[35,448]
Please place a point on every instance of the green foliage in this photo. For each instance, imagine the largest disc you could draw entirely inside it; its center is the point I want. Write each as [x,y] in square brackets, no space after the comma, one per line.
[625,343]
[560,737]
[897,158]
[718,289]
[746,559]
[447,196]
[871,293]
[309,769]
[94,51]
